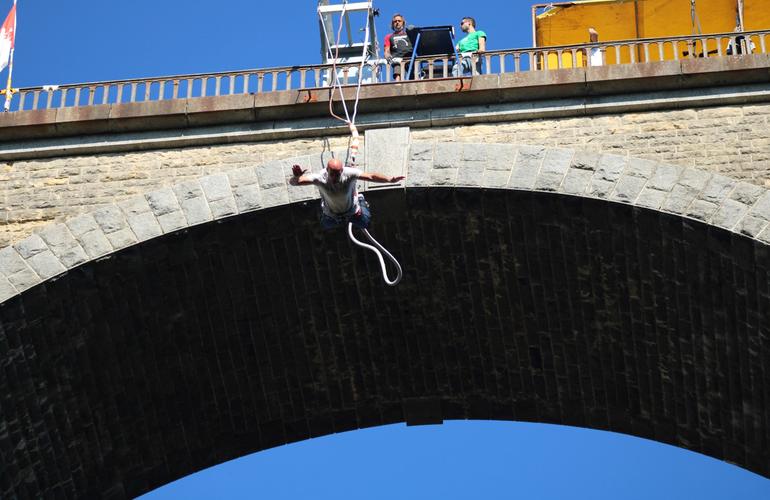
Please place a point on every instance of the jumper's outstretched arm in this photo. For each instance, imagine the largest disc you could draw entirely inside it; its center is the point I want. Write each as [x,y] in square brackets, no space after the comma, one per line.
[377,177]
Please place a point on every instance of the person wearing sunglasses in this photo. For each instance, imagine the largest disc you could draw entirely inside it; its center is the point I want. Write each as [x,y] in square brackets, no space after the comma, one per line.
[475,42]
[340,201]
[398,46]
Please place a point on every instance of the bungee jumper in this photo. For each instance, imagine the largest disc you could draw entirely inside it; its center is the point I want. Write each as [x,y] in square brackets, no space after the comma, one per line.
[340,201]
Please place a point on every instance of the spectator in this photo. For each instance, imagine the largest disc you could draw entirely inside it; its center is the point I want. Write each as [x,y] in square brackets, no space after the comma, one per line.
[595,54]
[740,44]
[475,42]
[397,45]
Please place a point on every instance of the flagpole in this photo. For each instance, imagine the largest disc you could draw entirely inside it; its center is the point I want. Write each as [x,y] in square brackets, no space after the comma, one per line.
[9,89]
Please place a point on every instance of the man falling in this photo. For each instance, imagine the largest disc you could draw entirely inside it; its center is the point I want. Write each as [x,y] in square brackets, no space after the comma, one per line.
[340,201]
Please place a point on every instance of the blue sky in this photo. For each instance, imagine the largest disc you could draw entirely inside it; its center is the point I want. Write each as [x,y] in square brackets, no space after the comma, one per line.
[89,40]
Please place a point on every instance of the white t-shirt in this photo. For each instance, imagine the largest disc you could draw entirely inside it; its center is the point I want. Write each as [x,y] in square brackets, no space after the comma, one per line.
[338,197]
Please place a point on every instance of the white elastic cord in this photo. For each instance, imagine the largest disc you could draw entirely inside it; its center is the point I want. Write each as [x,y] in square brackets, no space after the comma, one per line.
[361,72]
[379,255]
[336,80]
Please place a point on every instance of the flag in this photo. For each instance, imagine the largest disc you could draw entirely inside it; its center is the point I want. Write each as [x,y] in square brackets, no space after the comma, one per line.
[7,36]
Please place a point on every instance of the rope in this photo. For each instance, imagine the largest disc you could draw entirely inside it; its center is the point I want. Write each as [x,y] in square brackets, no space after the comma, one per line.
[379,255]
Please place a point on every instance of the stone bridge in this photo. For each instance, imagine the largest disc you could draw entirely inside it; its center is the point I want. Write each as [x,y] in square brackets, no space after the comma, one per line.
[552,274]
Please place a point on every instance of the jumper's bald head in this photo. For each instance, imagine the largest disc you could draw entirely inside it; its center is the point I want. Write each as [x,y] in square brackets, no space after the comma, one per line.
[334,167]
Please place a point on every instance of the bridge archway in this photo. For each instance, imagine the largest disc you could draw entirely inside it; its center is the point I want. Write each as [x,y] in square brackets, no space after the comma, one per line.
[520,301]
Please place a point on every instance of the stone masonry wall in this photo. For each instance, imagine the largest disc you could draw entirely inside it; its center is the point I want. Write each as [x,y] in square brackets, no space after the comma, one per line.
[732,140]
[37,192]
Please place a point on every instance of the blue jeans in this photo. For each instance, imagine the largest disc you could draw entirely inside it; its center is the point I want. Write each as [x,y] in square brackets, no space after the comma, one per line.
[464,67]
[361,219]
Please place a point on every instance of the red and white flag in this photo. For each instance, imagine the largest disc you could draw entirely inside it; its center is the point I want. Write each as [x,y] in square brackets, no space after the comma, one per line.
[7,36]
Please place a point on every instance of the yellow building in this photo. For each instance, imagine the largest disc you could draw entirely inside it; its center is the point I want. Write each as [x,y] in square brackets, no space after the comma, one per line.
[567,23]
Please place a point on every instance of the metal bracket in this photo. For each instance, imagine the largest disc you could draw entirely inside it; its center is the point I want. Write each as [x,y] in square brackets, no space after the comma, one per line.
[463,84]
[310,96]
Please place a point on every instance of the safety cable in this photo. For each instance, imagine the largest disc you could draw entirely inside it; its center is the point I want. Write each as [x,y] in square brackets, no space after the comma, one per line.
[379,255]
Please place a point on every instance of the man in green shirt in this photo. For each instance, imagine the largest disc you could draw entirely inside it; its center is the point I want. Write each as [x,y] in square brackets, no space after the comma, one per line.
[474,41]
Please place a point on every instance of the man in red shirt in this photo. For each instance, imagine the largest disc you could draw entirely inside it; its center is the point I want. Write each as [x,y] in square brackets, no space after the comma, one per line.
[397,45]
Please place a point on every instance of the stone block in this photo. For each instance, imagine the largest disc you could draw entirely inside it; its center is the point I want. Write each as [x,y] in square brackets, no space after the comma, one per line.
[242,177]
[162,202]
[303,193]
[600,188]
[471,174]
[71,256]
[447,155]
[717,188]
[651,198]
[639,167]
[224,207]
[751,226]
[694,179]
[628,188]
[110,219]
[576,181]
[172,221]
[145,225]
[747,193]
[610,167]
[46,265]
[247,198]
[421,151]
[216,187]
[585,160]
[729,213]
[386,150]
[188,190]
[764,237]
[82,224]
[272,175]
[196,210]
[419,173]
[56,235]
[702,210]
[554,168]
[11,262]
[95,243]
[526,167]
[122,238]
[443,176]
[7,290]
[500,156]
[665,177]
[135,206]
[496,179]
[24,280]
[557,160]
[680,198]
[30,246]
[274,197]
[761,208]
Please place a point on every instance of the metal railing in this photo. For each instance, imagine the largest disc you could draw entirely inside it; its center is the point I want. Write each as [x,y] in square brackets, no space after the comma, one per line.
[380,71]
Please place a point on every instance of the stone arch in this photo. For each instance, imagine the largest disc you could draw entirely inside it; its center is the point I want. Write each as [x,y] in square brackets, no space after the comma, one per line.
[555,286]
